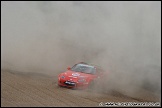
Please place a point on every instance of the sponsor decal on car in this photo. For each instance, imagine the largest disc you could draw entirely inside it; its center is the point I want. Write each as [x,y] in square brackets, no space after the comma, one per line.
[75,74]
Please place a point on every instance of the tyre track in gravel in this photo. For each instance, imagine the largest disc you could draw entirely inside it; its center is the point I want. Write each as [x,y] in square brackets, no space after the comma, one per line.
[19,96]
[36,93]
[7,102]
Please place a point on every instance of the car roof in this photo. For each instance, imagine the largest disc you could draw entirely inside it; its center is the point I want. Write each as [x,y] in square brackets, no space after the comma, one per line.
[82,63]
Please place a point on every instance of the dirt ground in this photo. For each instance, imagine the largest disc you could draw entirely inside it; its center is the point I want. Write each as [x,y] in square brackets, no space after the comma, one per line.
[37,90]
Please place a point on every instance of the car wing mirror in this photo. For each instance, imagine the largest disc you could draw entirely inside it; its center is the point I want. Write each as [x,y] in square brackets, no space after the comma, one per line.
[68,68]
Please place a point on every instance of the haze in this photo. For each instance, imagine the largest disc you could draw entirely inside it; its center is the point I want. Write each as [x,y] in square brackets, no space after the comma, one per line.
[122,37]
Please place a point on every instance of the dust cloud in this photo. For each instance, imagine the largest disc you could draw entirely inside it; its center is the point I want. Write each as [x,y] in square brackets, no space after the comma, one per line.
[122,37]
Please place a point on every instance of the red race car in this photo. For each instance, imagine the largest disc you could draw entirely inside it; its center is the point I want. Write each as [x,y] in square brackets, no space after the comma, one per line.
[81,75]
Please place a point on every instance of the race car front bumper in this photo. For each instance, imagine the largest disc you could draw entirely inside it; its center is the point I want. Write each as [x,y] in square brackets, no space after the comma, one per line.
[71,84]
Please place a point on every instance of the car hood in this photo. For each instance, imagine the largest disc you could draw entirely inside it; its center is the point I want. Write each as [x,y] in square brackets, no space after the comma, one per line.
[76,75]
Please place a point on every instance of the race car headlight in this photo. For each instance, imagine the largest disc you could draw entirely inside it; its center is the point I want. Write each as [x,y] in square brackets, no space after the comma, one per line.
[63,77]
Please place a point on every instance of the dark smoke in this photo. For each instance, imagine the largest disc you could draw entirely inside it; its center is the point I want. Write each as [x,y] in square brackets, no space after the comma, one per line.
[122,37]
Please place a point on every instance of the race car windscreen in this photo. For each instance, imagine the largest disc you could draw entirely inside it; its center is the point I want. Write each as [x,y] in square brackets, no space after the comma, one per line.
[84,68]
